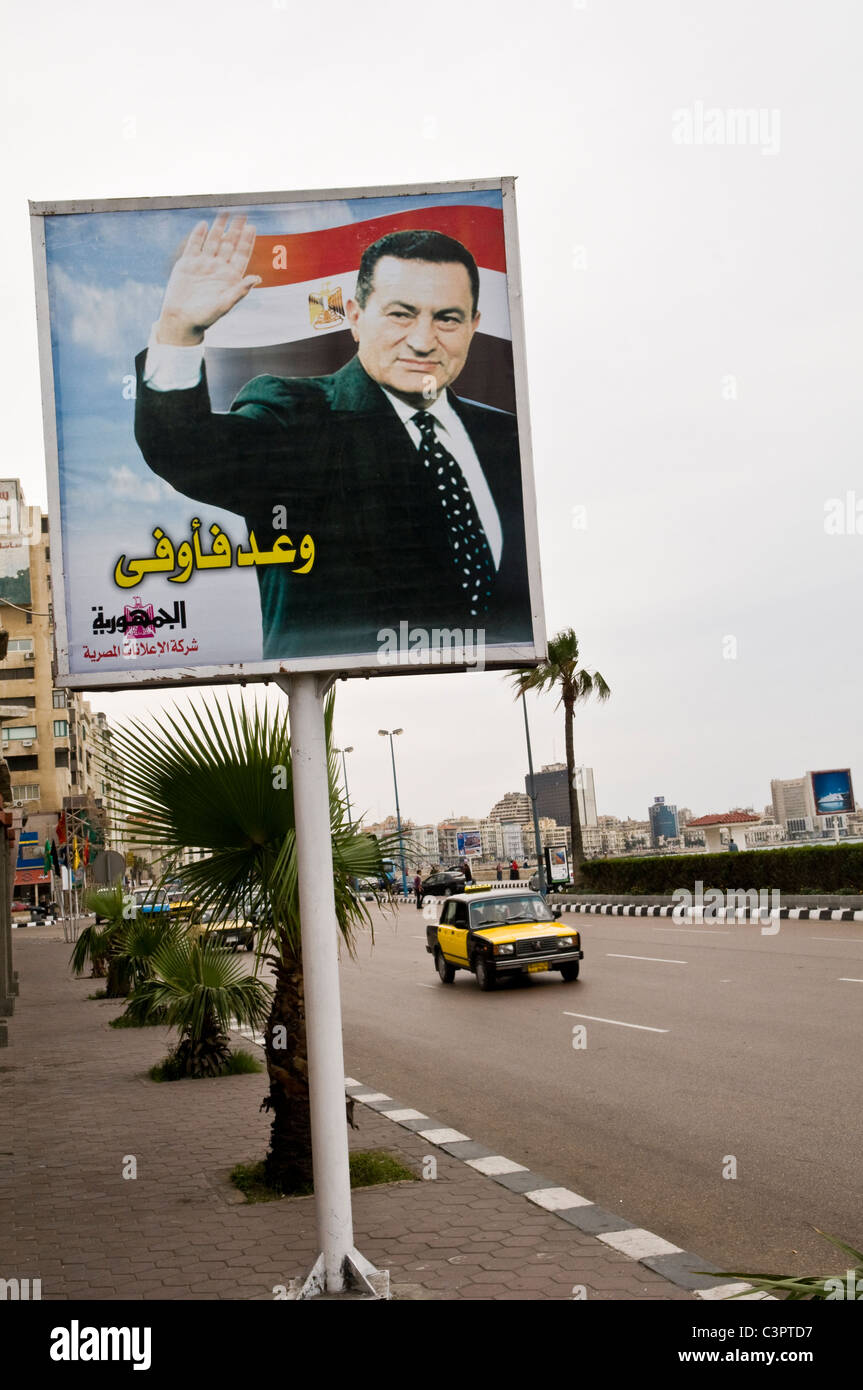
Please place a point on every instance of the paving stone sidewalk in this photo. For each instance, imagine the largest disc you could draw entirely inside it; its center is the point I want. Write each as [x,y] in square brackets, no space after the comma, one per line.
[82,1105]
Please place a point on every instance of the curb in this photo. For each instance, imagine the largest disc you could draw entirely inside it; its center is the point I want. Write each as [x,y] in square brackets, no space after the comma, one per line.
[674,1264]
[719,914]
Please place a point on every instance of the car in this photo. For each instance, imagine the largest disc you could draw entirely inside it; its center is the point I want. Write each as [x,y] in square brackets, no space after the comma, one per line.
[230,932]
[443,883]
[501,933]
[150,900]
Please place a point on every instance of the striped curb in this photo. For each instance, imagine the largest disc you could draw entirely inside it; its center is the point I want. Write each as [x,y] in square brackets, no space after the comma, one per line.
[661,1256]
[719,914]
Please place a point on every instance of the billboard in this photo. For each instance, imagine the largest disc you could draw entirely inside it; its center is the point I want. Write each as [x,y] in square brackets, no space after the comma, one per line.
[287,432]
[469,843]
[832,791]
[556,864]
[17,533]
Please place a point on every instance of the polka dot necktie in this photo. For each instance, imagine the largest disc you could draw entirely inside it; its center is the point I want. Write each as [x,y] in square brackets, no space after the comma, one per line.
[470,551]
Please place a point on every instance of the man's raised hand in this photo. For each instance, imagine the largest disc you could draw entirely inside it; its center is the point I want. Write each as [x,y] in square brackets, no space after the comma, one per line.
[207,281]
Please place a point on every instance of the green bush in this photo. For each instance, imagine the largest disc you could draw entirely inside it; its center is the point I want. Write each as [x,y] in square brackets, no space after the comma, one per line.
[801,869]
[368,1168]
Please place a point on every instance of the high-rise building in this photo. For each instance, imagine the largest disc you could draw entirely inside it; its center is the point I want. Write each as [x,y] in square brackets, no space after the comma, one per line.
[515,806]
[793,801]
[57,749]
[663,821]
[552,793]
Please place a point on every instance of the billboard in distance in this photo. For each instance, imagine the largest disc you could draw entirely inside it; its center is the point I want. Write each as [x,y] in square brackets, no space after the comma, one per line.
[469,843]
[287,432]
[832,791]
[16,537]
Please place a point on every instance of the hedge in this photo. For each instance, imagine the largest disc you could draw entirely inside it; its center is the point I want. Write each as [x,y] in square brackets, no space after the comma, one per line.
[801,869]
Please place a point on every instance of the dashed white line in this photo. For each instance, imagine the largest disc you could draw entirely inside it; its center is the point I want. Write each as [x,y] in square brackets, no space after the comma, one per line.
[846,939]
[663,960]
[618,1022]
[849,980]
[702,931]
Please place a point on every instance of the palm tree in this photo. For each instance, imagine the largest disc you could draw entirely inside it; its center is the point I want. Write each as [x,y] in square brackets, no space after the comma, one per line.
[220,779]
[576,685]
[199,988]
[97,942]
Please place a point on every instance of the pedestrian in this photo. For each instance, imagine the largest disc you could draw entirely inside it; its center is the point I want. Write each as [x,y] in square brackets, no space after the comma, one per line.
[418,889]
[499,871]
[465,868]
[513,869]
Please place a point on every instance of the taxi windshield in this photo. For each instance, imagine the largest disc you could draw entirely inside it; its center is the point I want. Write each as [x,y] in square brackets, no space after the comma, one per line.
[506,911]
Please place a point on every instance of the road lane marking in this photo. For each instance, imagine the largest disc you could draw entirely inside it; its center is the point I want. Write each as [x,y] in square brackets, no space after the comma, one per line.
[846,939]
[849,980]
[663,960]
[426,986]
[702,931]
[593,1019]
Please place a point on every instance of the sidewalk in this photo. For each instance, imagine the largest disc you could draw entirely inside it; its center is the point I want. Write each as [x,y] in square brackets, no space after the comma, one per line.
[82,1105]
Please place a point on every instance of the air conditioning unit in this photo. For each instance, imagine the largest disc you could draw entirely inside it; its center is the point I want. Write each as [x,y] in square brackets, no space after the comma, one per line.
[27,743]
[29,656]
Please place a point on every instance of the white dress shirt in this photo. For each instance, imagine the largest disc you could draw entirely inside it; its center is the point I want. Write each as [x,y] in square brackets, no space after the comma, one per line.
[170,368]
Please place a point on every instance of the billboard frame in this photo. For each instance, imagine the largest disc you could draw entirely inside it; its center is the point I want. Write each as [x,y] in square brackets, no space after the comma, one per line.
[499,657]
[825,772]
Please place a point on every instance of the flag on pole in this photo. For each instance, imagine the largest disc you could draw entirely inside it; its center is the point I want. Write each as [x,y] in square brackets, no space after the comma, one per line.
[87,848]
[55,858]
[46,862]
[61,829]
[76,858]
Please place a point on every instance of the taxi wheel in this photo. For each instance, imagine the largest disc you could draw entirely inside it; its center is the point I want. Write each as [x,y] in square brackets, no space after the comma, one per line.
[484,974]
[570,972]
[444,969]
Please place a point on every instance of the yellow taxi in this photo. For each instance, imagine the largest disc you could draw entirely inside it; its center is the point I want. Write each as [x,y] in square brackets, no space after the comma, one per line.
[501,932]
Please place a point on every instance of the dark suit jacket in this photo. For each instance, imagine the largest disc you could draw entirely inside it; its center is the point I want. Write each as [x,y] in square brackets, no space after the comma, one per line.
[333,452]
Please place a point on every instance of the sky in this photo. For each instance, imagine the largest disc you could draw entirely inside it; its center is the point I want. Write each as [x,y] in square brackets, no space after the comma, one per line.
[692,306]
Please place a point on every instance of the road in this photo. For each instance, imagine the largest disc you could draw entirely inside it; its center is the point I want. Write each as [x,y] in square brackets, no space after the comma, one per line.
[756,1070]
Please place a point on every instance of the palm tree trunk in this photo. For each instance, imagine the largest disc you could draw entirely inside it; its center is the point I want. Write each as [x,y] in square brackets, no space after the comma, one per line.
[289,1159]
[574,819]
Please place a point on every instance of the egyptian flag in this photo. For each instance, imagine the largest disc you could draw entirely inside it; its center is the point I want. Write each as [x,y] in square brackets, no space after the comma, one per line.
[294,324]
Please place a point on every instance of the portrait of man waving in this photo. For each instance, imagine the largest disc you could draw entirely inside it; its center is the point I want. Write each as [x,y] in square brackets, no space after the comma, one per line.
[411,494]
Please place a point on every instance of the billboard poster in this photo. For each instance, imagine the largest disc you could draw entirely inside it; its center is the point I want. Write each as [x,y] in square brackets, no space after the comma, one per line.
[469,843]
[556,864]
[832,791]
[16,537]
[287,432]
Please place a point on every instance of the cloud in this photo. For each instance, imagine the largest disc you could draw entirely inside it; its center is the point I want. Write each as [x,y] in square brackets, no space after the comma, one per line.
[124,483]
[102,320]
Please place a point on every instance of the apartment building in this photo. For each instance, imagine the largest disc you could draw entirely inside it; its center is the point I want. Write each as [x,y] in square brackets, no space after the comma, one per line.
[57,750]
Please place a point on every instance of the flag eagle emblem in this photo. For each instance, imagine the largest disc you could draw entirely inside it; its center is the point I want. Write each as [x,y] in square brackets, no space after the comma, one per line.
[326,307]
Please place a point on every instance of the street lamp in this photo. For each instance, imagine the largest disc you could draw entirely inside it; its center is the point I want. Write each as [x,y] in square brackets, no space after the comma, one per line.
[388,733]
[343,751]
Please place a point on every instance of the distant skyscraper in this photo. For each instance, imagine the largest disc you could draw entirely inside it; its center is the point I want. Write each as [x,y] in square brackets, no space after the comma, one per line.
[663,821]
[793,800]
[552,793]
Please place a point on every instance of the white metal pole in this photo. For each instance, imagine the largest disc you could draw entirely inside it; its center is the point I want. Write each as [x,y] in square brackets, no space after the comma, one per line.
[321,978]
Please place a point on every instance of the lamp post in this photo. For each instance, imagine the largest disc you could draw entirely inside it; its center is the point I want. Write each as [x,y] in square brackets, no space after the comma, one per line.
[539,863]
[343,751]
[388,733]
